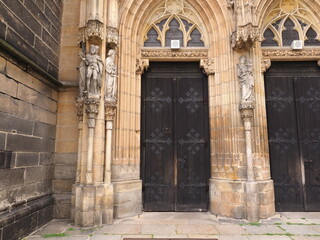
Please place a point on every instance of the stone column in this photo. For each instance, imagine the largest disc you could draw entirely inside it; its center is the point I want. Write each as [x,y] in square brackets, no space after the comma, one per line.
[247,104]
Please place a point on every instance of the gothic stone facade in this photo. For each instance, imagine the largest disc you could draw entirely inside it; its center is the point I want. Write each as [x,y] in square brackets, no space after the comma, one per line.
[73,83]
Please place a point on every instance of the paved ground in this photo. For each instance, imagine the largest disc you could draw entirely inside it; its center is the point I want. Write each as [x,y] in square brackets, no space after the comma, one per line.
[284,226]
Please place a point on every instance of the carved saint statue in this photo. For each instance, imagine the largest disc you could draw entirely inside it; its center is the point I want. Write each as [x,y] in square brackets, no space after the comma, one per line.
[111,76]
[245,76]
[90,72]
[244,10]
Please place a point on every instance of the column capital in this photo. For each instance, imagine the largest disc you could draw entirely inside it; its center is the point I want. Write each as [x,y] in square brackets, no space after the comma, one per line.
[141,66]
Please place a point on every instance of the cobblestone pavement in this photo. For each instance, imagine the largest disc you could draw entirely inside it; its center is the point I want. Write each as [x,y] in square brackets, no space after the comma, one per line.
[284,226]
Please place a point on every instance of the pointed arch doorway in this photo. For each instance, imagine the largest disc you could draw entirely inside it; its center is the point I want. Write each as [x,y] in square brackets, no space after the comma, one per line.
[175,165]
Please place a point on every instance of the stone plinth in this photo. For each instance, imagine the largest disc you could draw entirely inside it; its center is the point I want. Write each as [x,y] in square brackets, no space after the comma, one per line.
[127,198]
[229,198]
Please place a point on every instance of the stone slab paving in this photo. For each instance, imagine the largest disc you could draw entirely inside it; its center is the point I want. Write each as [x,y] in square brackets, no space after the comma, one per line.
[284,226]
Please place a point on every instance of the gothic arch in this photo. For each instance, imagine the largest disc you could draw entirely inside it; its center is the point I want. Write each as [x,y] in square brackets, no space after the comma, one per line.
[265,8]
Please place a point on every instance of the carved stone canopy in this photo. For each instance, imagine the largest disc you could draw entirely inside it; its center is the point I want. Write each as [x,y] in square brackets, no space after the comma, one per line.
[112,36]
[208,66]
[245,36]
[93,32]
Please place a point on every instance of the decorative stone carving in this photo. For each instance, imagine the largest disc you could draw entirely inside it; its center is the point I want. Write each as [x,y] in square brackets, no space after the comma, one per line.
[208,66]
[79,105]
[91,72]
[93,30]
[245,36]
[291,53]
[245,77]
[174,54]
[141,66]
[92,110]
[112,36]
[110,110]
[318,63]
[247,32]
[265,64]
[111,76]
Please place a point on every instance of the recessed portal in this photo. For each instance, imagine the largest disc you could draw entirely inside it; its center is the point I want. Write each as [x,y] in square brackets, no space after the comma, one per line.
[175,150]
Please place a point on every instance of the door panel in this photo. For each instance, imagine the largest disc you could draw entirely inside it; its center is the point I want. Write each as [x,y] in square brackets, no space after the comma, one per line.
[307,92]
[192,144]
[158,108]
[293,110]
[175,150]
[284,149]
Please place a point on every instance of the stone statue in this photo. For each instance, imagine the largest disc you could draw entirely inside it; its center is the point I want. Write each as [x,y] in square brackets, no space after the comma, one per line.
[111,76]
[245,76]
[90,72]
[244,10]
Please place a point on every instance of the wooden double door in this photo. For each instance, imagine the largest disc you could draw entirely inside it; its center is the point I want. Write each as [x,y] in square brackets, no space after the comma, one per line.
[175,137]
[293,111]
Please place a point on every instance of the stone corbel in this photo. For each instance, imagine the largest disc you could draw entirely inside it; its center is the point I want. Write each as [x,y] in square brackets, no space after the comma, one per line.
[265,65]
[92,110]
[141,66]
[93,32]
[245,36]
[112,36]
[208,66]
[110,110]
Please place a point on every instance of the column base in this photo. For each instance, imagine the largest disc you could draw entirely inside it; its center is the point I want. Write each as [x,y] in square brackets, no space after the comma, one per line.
[228,198]
[92,205]
[127,198]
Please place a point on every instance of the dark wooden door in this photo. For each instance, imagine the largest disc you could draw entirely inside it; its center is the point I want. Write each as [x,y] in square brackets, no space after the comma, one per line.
[175,138]
[293,110]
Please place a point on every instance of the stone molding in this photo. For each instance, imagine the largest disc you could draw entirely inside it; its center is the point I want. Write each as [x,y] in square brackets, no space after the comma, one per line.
[208,66]
[291,53]
[94,29]
[141,66]
[265,64]
[168,53]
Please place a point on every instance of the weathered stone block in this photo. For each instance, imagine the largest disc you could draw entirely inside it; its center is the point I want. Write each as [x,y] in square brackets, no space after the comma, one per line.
[64,185]
[46,158]
[25,226]
[65,158]
[11,177]
[3,137]
[45,215]
[65,172]
[266,198]
[27,159]
[62,206]
[3,61]
[44,187]
[44,130]
[11,123]
[8,86]
[232,197]
[16,142]
[267,211]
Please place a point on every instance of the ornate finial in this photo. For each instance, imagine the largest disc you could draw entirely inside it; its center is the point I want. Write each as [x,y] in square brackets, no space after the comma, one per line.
[208,66]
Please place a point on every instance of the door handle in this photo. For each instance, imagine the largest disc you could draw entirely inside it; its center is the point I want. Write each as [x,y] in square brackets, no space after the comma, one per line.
[308,161]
